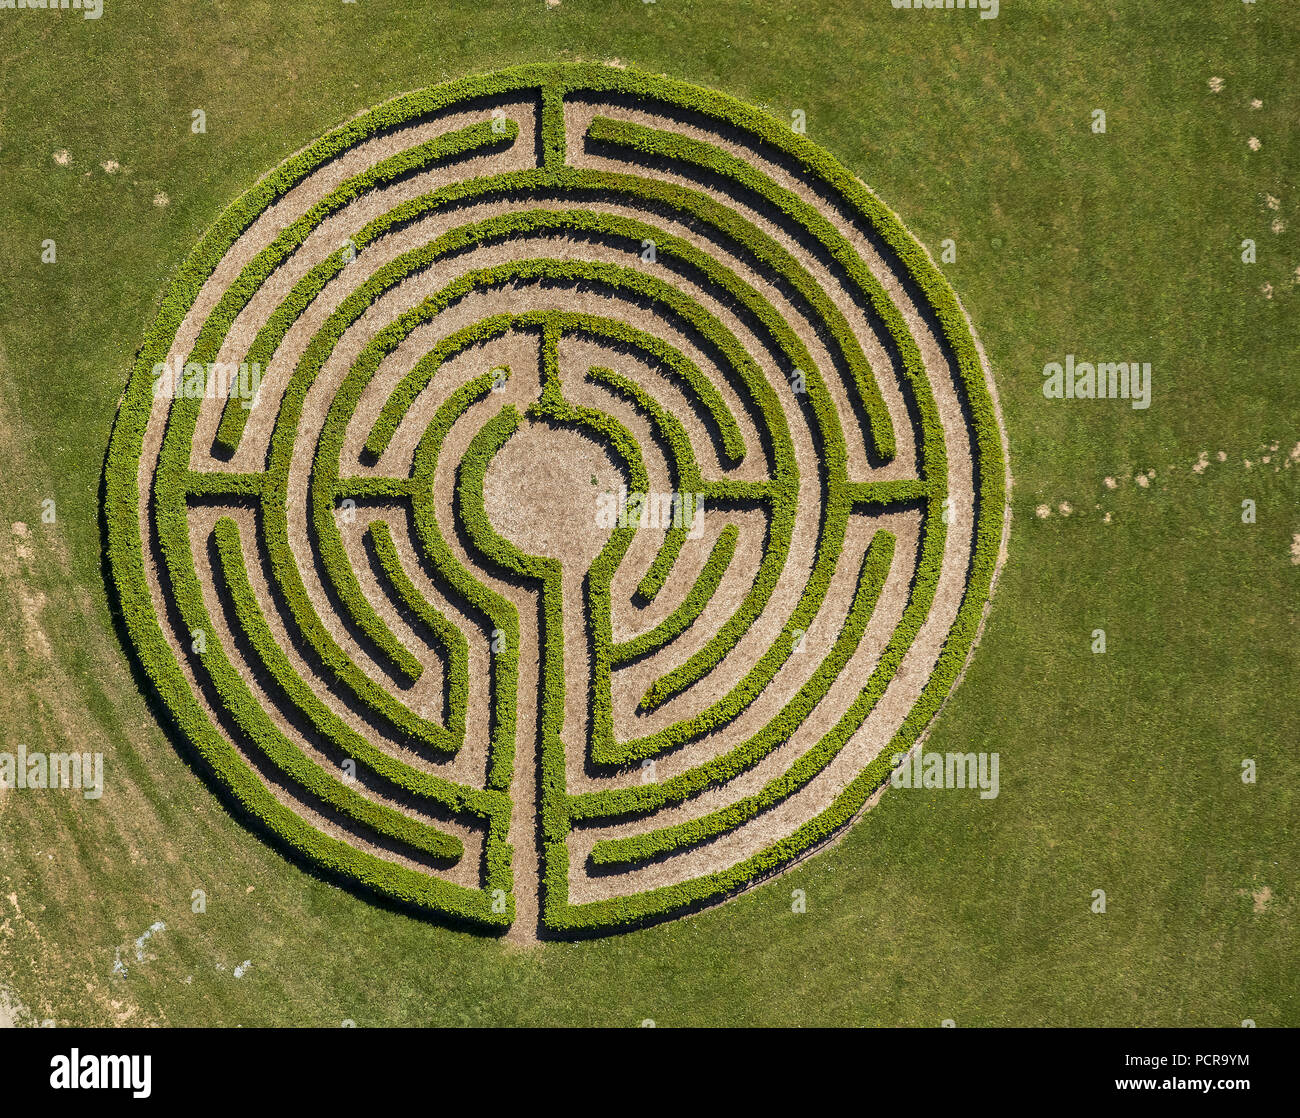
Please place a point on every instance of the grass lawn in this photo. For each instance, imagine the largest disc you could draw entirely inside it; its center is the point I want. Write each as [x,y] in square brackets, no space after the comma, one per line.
[1119,771]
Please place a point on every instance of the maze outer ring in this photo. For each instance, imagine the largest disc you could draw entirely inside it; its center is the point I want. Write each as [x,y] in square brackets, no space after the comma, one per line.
[493,906]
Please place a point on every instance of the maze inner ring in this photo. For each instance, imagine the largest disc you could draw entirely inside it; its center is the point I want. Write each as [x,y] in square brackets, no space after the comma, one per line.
[373,585]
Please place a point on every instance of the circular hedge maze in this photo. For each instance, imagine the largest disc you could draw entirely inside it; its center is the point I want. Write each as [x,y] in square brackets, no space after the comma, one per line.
[552,499]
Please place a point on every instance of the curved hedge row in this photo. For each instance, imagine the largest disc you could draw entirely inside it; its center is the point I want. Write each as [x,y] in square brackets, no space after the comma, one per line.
[617,279]
[684,473]
[455,649]
[279,750]
[640,848]
[662,902]
[501,616]
[686,479]
[627,138]
[403,663]
[699,665]
[731,445]
[177,487]
[473,139]
[690,608]
[705,395]
[130,584]
[556,822]
[689,673]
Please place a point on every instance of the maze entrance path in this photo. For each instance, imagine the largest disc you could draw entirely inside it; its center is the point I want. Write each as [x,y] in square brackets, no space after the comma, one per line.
[613,489]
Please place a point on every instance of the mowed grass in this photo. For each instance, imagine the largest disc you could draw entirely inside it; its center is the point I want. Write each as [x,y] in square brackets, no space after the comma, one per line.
[1119,771]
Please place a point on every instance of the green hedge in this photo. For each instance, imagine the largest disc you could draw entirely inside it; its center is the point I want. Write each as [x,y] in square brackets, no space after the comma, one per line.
[871,580]
[618,279]
[686,470]
[473,139]
[605,750]
[499,614]
[176,487]
[662,902]
[261,731]
[771,255]
[455,649]
[627,139]
[130,585]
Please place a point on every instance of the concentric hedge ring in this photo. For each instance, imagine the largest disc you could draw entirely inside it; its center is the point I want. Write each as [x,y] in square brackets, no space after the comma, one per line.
[395,628]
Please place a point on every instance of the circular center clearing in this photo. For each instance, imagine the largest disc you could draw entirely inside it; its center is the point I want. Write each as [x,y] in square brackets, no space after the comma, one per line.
[538,493]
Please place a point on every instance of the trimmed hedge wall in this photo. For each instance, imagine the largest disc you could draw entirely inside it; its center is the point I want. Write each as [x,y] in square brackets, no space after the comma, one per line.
[500,616]
[262,733]
[130,585]
[455,648]
[471,140]
[177,487]
[618,279]
[639,848]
